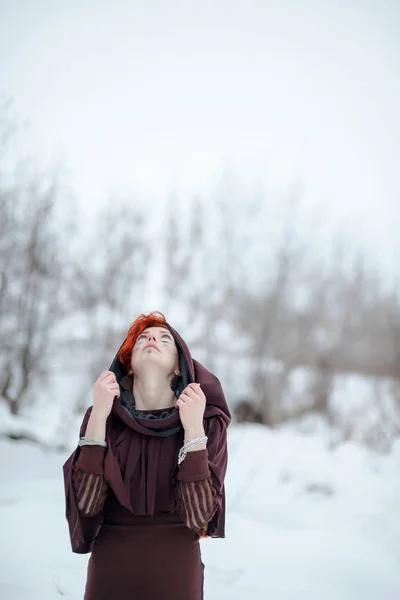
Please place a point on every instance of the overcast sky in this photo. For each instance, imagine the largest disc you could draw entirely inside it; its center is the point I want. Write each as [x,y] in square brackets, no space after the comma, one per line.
[157,94]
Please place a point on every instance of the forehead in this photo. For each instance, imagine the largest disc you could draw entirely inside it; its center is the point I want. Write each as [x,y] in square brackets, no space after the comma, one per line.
[156,330]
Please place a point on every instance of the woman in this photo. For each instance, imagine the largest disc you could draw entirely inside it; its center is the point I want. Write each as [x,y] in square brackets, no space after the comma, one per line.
[147,479]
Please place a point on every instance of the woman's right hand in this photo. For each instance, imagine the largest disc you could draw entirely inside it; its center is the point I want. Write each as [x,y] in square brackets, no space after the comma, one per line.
[105,390]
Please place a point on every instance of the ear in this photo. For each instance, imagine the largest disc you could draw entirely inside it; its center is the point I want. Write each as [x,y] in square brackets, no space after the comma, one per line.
[177,371]
[127,382]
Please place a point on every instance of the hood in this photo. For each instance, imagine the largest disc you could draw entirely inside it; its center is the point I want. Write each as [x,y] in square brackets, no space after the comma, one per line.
[145,483]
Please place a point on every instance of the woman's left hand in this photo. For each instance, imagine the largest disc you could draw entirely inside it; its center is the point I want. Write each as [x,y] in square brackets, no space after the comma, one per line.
[192,404]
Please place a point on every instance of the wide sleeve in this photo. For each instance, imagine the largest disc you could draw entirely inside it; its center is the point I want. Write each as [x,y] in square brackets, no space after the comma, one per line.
[81,492]
[200,490]
[90,488]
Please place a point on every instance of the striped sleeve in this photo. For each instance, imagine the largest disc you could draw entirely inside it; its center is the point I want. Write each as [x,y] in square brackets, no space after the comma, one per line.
[90,488]
[195,495]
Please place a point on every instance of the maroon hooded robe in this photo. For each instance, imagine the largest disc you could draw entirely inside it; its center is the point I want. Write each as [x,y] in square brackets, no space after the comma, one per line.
[141,548]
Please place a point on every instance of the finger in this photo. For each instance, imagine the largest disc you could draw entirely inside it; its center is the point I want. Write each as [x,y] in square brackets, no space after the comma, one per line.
[190,393]
[200,394]
[179,403]
[198,390]
[194,386]
[195,392]
[104,375]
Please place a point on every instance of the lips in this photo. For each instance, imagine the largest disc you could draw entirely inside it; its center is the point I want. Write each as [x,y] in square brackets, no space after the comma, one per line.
[151,346]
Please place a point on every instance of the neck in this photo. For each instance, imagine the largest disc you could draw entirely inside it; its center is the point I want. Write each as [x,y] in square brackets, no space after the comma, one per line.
[152,393]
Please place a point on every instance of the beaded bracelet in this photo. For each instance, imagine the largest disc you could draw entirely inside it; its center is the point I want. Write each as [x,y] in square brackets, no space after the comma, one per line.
[190,444]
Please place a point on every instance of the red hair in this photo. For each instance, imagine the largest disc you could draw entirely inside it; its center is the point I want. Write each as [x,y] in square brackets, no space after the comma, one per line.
[153,319]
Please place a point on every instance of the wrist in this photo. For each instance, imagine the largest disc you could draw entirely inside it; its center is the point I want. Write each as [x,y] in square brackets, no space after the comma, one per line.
[98,415]
[194,432]
[96,427]
[192,444]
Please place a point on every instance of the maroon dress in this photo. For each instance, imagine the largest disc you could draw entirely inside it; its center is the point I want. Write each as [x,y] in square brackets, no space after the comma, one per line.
[138,513]
[138,557]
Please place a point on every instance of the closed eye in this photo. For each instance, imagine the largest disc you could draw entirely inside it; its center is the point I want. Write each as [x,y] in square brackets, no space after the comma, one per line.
[164,335]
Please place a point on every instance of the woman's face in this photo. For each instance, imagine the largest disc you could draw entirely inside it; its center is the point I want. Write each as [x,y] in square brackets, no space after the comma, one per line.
[155,346]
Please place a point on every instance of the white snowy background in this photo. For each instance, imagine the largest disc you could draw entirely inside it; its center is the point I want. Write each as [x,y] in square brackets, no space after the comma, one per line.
[144,99]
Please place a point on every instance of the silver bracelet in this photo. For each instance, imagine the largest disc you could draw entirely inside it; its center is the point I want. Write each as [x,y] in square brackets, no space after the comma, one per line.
[86,441]
[190,444]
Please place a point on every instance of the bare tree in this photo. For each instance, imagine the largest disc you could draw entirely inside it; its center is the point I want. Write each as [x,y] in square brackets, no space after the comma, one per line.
[108,284]
[31,278]
[205,260]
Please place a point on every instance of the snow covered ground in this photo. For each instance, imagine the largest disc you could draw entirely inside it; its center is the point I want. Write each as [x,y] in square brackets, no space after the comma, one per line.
[303,522]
